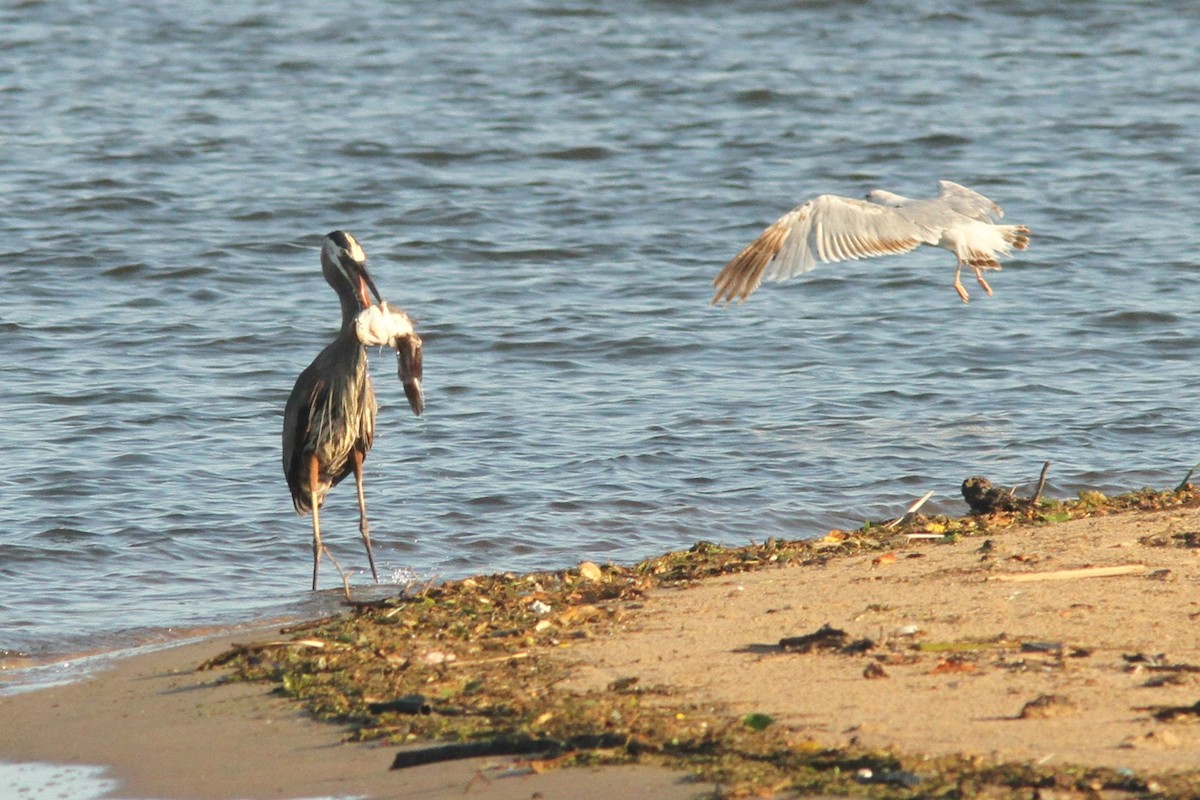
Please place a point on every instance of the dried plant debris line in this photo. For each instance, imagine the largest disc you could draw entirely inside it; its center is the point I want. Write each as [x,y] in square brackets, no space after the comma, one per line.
[470,667]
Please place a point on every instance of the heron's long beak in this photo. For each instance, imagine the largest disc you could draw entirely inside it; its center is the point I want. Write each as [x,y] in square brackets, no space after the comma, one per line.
[364,284]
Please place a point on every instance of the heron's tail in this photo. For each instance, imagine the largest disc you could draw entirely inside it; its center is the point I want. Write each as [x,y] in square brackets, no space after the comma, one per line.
[408,366]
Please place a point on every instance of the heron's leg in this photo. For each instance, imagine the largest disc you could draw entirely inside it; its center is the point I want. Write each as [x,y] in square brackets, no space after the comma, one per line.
[314,479]
[958,287]
[982,282]
[363,527]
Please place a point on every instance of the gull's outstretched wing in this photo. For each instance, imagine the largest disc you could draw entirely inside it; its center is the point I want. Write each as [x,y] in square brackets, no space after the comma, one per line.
[967,202]
[827,228]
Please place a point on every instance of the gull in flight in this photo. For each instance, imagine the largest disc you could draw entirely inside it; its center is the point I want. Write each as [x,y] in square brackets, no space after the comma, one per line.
[830,228]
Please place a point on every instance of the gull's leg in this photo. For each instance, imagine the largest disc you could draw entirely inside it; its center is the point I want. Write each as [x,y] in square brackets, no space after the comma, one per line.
[314,473]
[363,528]
[958,287]
[982,282]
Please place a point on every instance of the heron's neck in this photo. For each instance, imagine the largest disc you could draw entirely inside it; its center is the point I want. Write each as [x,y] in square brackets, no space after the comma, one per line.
[350,309]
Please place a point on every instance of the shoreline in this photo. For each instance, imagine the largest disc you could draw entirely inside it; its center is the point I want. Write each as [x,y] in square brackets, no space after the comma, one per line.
[162,730]
[21,672]
[1052,650]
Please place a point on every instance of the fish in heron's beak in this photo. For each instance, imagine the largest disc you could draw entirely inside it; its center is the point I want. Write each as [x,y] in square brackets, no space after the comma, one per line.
[364,287]
[365,283]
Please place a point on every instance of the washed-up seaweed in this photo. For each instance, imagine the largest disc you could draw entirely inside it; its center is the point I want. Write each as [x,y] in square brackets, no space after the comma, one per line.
[470,667]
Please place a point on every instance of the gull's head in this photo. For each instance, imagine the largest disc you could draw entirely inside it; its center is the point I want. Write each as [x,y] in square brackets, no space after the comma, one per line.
[345,266]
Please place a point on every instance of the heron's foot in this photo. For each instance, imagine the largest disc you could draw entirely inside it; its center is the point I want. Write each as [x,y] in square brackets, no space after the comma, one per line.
[317,549]
[341,572]
[366,537]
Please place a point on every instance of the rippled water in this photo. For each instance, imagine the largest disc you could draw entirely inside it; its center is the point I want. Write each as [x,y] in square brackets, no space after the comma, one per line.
[549,187]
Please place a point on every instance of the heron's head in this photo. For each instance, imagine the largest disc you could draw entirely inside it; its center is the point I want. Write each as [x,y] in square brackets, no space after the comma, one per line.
[345,265]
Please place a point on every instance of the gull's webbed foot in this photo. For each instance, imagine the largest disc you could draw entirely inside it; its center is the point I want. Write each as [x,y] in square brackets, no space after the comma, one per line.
[982,282]
[958,287]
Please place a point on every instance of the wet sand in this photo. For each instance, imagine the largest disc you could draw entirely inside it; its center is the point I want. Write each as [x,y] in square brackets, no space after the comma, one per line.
[1001,621]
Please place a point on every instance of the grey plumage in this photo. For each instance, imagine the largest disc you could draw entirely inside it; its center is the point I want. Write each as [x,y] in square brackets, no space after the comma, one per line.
[329,419]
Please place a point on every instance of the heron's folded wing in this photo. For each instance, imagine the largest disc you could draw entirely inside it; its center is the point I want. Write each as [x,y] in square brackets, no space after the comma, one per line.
[969,203]
[827,228]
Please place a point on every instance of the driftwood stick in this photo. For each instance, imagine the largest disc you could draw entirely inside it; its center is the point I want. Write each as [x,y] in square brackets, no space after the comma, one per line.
[460,750]
[1071,574]
[505,746]
[1037,496]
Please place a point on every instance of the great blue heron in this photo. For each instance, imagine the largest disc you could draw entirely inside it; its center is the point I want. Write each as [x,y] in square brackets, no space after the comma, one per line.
[831,228]
[329,419]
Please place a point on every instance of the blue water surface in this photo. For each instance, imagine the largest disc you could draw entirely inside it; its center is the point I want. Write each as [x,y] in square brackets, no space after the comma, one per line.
[549,187]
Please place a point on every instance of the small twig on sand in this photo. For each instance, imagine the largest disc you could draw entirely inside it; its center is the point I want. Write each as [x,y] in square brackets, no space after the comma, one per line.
[911,510]
[308,625]
[1071,574]
[1037,496]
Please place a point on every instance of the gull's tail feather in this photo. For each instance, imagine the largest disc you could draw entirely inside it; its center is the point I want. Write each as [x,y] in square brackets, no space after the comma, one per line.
[981,260]
[1017,236]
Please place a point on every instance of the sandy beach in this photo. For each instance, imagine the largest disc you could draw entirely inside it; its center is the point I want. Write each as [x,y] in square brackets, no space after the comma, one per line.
[1052,645]
[167,731]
